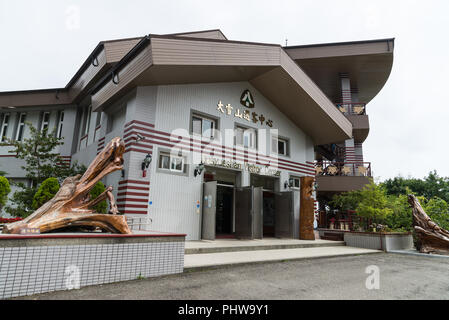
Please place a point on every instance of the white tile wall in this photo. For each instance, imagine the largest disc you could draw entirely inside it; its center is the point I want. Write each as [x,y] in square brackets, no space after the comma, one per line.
[39,269]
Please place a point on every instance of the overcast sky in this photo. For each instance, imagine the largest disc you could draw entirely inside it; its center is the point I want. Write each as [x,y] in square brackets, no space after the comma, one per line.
[43,43]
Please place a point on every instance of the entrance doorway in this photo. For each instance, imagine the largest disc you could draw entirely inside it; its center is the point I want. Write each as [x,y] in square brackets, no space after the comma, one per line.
[269,213]
[268,185]
[219,203]
[225,210]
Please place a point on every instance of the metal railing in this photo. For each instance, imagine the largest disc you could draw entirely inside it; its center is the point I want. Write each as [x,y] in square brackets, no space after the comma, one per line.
[354,108]
[138,224]
[329,168]
[347,221]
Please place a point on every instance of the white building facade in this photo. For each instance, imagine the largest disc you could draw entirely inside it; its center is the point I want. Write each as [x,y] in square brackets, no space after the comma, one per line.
[218,133]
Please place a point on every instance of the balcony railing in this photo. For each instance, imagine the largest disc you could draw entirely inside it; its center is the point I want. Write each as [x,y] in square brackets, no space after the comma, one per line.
[343,220]
[355,108]
[328,168]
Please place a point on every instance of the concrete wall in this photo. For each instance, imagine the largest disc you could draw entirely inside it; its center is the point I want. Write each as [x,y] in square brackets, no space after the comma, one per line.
[385,242]
[31,266]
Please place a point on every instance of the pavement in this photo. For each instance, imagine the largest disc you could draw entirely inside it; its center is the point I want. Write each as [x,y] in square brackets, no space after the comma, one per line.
[227,245]
[213,260]
[344,277]
[211,254]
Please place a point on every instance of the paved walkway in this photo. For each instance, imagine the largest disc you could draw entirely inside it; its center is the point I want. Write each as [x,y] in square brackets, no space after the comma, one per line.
[401,277]
[209,260]
[232,243]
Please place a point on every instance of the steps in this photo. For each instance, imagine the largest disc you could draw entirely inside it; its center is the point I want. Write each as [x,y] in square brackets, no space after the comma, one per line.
[228,245]
[212,254]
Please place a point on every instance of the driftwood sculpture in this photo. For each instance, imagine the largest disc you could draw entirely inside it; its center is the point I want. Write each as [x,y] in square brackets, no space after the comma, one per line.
[307,214]
[71,206]
[430,238]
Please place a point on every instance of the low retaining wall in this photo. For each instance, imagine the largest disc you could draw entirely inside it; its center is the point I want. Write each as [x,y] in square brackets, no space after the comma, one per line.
[379,241]
[49,262]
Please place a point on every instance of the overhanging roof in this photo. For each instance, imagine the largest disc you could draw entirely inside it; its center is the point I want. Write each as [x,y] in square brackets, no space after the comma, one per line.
[368,64]
[102,58]
[159,60]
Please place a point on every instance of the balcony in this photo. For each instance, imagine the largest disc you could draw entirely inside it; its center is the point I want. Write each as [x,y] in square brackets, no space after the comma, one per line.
[356,113]
[356,108]
[342,176]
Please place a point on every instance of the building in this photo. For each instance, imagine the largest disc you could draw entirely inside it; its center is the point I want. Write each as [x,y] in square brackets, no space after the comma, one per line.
[218,132]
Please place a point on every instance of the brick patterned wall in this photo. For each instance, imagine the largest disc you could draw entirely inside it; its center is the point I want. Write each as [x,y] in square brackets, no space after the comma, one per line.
[37,269]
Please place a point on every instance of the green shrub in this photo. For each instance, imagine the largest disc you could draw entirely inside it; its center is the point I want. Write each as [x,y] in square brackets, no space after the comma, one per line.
[5,189]
[98,189]
[438,210]
[47,190]
[371,203]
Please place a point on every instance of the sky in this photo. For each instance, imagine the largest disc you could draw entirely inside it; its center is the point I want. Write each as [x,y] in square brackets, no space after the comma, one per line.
[43,43]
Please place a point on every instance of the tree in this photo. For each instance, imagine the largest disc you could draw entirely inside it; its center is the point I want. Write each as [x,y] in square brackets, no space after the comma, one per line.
[41,162]
[438,210]
[401,217]
[371,203]
[47,190]
[431,186]
[5,189]
[98,189]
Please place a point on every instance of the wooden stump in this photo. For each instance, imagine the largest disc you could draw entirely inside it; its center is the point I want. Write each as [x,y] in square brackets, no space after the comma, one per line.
[71,207]
[430,238]
[307,208]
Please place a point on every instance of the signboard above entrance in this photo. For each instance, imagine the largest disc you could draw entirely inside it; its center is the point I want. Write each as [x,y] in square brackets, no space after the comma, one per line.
[251,168]
[246,100]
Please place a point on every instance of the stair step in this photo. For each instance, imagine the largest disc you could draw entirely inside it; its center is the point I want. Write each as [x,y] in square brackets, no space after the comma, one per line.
[217,246]
[195,262]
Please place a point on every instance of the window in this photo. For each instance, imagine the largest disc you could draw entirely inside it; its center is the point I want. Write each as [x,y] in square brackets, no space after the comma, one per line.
[295,182]
[4,127]
[45,121]
[204,126]
[246,137]
[87,120]
[98,120]
[21,127]
[116,119]
[171,163]
[280,146]
[60,124]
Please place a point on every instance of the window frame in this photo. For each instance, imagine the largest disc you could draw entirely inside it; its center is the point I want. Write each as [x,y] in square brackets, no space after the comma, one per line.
[294,177]
[21,126]
[203,116]
[238,126]
[87,120]
[5,126]
[171,160]
[286,143]
[43,122]
[60,124]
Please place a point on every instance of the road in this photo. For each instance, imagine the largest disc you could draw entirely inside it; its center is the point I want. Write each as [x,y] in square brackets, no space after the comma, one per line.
[400,277]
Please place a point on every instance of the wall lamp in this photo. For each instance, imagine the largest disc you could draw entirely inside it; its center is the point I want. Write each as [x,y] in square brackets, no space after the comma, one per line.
[199,169]
[146,162]
[289,183]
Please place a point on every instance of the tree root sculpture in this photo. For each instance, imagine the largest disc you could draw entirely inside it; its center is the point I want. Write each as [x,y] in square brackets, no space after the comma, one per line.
[71,206]
[430,238]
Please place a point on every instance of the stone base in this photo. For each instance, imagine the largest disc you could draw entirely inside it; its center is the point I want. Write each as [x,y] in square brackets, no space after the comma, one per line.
[49,262]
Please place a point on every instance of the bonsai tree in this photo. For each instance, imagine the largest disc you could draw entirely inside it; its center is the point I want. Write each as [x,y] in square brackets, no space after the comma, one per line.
[5,189]
[45,192]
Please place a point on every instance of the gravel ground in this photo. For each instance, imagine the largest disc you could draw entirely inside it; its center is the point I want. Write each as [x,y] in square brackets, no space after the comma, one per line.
[401,277]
